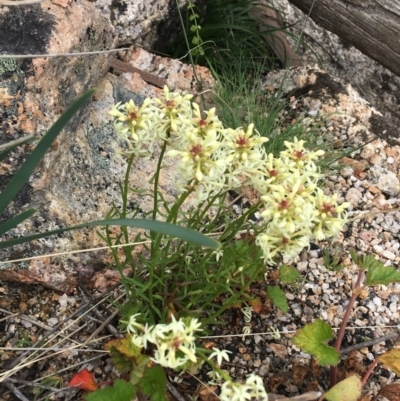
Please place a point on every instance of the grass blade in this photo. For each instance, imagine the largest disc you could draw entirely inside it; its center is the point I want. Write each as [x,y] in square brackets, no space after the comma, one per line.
[172,230]
[9,146]
[14,221]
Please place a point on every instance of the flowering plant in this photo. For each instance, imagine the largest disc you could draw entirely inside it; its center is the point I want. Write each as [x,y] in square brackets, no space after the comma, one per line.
[176,279]
[212,159]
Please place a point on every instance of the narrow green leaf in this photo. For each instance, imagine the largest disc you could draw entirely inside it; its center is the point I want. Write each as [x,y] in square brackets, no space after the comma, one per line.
[312,338]
[276,295]
[348,389]
[8,147]
[172,230]
[25,171]
[365,262]
[380,274]
[122,391]
[154,383]
[15,220]
[288,274]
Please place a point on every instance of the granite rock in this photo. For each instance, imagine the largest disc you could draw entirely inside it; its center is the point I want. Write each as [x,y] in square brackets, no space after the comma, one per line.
[77,181]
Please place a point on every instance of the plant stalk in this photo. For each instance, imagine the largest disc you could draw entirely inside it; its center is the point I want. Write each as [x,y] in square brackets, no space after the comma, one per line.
[356,292]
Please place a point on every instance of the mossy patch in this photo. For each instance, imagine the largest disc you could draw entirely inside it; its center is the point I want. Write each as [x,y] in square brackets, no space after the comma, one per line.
[7,65]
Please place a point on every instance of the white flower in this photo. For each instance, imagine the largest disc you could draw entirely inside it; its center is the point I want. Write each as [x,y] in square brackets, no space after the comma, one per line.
[133,325]
[231,391]
[175,342]
[257,389]
[220,355]
[174,107]
[252,389]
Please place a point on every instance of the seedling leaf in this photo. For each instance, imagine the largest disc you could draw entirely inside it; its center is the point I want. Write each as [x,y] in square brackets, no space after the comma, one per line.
[312,338]
[348,389]
[382,275]
[122,391]
[392,360]
[125,354]
[154,383]
[365,262]
[288,274]
[276,295]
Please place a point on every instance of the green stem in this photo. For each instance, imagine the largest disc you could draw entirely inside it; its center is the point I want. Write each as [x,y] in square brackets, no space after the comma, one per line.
[231,300]
[155,237]
[356,292]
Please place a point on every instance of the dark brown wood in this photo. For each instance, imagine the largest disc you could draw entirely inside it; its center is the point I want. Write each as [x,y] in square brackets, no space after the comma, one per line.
[149,78]
[372,26]
[264,13]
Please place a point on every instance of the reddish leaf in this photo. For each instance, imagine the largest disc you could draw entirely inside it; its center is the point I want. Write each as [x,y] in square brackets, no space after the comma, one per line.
[391,392]
[84,380]
[256,304]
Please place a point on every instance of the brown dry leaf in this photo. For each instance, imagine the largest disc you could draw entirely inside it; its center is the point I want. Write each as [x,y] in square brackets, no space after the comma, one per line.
[207,393]
[392,360]
[312,385]
[275,381]
[5,303]
[23,306]
[266,307]
[299,373]
[279,350]
[315,367]
[354,363]
[391,392]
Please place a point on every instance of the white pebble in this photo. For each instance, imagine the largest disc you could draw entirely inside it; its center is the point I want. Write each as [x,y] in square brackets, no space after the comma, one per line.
[389,255]
[26,324]
[63,300]
[377,301]
[390,160]
[52,321]
[257,339]
[378,249]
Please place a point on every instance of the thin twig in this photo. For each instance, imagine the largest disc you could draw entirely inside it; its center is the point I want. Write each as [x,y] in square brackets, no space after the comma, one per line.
[369,343]
[59,325]
[32,384]
[75,54]
[15,390]
[178,396]
[101,327]
[26,319]
[110,327]
[51,255]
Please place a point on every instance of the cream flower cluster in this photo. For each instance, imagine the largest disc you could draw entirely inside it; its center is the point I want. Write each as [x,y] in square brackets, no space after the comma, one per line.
[295,208]
[253,389]
[174,342]
[211,158]
[175,346]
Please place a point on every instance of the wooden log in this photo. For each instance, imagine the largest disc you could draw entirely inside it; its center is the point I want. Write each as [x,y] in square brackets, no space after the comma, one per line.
[372,26]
